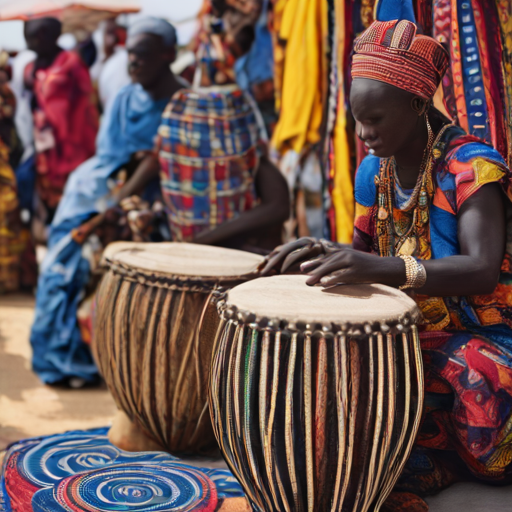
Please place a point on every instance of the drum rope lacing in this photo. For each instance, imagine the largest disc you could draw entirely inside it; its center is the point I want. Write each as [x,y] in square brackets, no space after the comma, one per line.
[403,324]
[173,282]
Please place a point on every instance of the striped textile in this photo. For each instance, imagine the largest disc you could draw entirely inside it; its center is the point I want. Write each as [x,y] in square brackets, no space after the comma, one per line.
[392,52]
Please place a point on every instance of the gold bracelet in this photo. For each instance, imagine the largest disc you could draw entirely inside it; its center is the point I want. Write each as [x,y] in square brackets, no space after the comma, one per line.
[410,271]
[416,275]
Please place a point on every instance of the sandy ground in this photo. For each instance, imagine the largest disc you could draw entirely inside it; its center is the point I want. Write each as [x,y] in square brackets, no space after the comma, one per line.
[28,408]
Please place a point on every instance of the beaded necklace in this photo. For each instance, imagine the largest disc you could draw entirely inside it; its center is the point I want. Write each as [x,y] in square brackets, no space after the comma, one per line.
[407,232]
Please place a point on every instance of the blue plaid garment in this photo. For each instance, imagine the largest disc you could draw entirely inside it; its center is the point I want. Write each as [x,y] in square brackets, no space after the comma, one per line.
[209,147]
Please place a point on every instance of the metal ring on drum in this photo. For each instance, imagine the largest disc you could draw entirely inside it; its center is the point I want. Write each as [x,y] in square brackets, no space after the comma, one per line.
[316,394]
[154,328]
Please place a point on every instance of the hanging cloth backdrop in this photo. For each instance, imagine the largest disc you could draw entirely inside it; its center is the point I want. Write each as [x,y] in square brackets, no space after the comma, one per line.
[300,29]
[477,88]
[476,91]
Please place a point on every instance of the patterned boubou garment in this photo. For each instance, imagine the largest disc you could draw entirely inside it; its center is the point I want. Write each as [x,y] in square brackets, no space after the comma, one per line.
[209,146]
[12,237]
[466,341]
[65,122]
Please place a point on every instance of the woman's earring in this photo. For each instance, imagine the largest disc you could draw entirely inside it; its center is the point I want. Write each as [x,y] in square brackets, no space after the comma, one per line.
[429,128]
[423,109]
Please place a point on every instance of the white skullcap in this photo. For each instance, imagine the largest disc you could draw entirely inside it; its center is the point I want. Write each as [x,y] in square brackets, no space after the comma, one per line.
[157,27]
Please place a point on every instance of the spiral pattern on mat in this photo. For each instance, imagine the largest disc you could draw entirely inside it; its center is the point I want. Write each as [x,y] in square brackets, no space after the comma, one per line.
[149,487]
[59,457]
[226,484]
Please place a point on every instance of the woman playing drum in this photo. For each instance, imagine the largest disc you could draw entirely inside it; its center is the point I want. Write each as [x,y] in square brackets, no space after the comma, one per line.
[432,206]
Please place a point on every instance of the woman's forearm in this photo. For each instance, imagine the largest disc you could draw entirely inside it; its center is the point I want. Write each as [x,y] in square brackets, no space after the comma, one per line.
[145,172]
[458,276]
[261,216]
[451,276]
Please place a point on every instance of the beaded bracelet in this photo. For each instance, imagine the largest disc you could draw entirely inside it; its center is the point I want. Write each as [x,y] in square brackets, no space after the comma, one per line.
[416,275]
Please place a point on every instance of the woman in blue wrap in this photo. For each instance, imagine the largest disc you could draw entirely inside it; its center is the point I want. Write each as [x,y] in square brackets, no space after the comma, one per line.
[81,224]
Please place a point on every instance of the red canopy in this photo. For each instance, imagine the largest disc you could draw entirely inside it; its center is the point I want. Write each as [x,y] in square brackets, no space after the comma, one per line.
[73,14]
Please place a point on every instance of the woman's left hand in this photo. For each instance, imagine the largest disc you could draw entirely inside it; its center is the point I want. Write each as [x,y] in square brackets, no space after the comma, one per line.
[348,266]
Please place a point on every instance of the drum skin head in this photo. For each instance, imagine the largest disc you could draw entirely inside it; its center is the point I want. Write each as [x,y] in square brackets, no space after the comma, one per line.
[182,259]
[287,297]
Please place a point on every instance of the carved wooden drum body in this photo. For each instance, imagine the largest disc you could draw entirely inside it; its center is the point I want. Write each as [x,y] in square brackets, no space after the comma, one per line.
[155,324]
[316,395]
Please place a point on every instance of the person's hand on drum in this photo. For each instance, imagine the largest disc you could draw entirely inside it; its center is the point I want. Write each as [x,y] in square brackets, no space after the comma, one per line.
[285,257]
[344,265]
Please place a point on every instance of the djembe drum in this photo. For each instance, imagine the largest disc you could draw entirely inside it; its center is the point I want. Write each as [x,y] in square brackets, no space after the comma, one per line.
[316,395]
[154,328]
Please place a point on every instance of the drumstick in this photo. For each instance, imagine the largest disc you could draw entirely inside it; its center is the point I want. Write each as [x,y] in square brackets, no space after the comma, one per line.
[83,232]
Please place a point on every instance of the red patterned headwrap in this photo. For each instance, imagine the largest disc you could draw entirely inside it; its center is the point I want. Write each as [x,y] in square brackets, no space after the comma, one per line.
[391,52]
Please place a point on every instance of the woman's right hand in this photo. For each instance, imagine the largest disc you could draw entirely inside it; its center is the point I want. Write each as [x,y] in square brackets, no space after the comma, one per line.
[285,256]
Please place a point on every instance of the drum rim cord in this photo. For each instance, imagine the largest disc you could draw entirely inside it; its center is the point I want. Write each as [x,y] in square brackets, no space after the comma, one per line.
[203,284]
[403,324]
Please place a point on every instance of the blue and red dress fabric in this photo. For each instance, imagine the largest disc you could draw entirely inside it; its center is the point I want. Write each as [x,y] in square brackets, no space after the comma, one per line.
[466,341]
[82,471]
[65,122]
[129,126]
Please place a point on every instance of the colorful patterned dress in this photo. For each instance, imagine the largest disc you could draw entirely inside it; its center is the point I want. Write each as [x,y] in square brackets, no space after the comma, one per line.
[466,341]
[65,122]
[129,127]
[12,237]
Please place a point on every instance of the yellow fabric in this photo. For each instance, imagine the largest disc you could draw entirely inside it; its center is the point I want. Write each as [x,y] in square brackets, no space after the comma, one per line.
[301,79]
[505,14]
[302,26]
[279,50]
[343,190]
[375,7]
[11,241]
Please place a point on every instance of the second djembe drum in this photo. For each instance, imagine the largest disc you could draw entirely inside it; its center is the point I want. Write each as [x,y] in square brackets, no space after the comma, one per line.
[316,395]
[154,328]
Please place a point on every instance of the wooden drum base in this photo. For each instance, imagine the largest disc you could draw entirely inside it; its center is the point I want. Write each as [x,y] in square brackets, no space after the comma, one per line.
[130,437]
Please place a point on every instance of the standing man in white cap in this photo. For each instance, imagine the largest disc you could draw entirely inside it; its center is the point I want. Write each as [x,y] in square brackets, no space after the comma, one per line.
[128,130]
